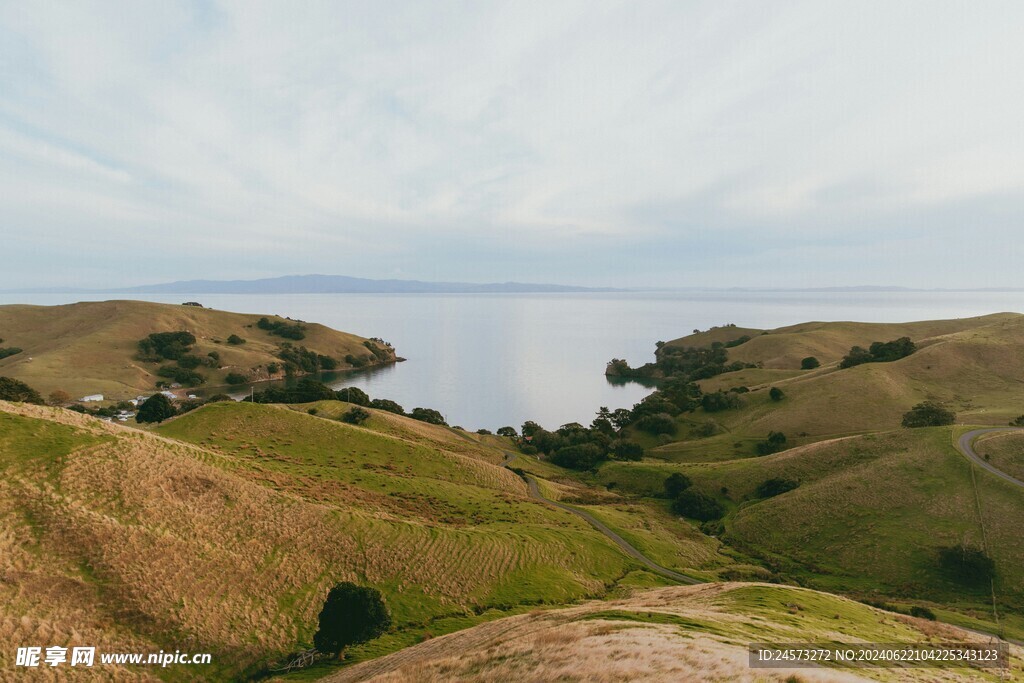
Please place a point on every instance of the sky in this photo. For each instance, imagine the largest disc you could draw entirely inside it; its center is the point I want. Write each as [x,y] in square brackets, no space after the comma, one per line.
[634,143]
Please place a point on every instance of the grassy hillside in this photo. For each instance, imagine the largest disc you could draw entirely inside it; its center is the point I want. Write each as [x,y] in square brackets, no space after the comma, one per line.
[669,634]
[91,347]
[868,516]
[975,366]
[134,540]
[1005,451]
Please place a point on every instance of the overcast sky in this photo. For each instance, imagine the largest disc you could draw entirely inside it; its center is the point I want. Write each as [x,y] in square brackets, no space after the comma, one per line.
[603,143]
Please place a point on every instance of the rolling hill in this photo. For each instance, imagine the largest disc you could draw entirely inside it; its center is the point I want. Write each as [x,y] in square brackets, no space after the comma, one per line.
[137,541]
[91,347]
[696,633]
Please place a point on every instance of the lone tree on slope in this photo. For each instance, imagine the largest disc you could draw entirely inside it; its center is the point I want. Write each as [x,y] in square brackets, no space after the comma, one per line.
[351,615]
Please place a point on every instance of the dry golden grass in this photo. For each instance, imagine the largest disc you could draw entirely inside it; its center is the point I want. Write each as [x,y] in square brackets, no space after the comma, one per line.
[1004,451]
[697,633]
[90,347]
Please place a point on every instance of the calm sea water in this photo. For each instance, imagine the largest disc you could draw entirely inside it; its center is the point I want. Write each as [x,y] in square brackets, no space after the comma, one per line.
[488,360]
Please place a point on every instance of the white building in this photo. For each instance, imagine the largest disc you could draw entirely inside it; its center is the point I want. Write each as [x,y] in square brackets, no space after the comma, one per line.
[91,398]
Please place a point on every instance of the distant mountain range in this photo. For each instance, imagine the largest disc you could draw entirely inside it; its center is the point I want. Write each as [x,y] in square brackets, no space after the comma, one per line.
[331,284]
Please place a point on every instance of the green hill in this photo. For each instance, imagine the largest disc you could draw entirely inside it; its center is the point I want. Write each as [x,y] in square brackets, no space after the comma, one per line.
[140,541]
[92,347]
[695,633]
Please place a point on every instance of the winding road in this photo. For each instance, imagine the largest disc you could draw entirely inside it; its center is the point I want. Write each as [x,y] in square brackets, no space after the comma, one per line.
[626,547]
[965,444]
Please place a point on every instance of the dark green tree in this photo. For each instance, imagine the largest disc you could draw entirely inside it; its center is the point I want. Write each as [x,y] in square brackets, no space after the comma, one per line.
[388,405]
[19,392]
[235,340]
[809,363]
[428,415]
[351,615]
[353,395]
[696,505]
[967,565]
[156,408]
[676,483]
[508,431]
[775,442]
[355,416]
[928,414]
[775,486]
[776,394]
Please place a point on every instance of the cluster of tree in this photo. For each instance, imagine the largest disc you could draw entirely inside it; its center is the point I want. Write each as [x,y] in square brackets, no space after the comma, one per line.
[15,390]
[299,358]
[775,442]
[280,328]
[378,353]
[181,375]
[967,565]
[928,414]
[161,346]
[688,502]
[689,363]
[577,447]
[308,390]
[879,352]
[9,351]
[775,487]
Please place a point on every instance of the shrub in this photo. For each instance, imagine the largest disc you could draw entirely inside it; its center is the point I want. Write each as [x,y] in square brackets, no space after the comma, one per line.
[156,408]
[189,378]
[355,416]
[19,392]
[626,450]
[775,487]
[809,363]
[696,505]
[922,613]
[676,483]
[217,398]
[190,362]
[236,378]
[353,395]
[660,423]
[1017,421]
[776,394]
[235,340]
[166,345]
[967,565]
[273,368]
[928,414]
[718,401]
[775,442]
[282,329]
[9,351]
[582,456]
[528,449]
[58,397]
[879,352]
[351,615]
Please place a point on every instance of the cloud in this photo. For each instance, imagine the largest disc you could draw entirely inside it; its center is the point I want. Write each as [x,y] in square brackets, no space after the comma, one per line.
[600,142]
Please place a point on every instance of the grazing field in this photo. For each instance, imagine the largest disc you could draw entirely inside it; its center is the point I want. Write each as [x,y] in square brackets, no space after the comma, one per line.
[134,540]
[91,347]
[1004,451]
[669,634]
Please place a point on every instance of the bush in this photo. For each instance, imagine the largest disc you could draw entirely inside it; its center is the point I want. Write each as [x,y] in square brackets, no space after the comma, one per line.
[428,415]
[1017,421]
[236,378]
[582,456]
[775,442]
[775,487]
[967,565]
[676,483]
[922,613]
[281,329]
[696,505]
[19,392]
[719,400]
[218,398]
[190,362]
[58,397]
[809,363]
[156,408]
[879,352]
[351,615]
[355,416]
[166,345]
[528,449]
[9,351]
[189,378]
[235,340]
[626,450]
[928,414]
[776,394]
[660,423]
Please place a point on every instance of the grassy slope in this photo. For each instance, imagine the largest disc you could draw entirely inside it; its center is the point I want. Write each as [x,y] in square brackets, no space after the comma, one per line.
[976,366]
[668,634]
[134,540]
[1005,451]
[90,347]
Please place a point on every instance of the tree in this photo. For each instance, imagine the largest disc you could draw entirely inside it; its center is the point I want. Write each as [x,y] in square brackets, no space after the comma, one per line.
[236,378]
[351,615]
[582,456]
[857,356]
[809,363]
[353,395]
[428,415]
[775,487]
[1017,421]
[776,394]
[967,565]
[659,423]
[928,414]
[775,442]
[626,450]
[696,505]
[156,408]
[676,483]
[19,392]
[388,405]
[507,431]
[59,397]
[719,400]
[235,340]
[355,416]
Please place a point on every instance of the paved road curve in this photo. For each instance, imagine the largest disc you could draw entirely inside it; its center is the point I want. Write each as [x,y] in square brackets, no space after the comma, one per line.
[965,444]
